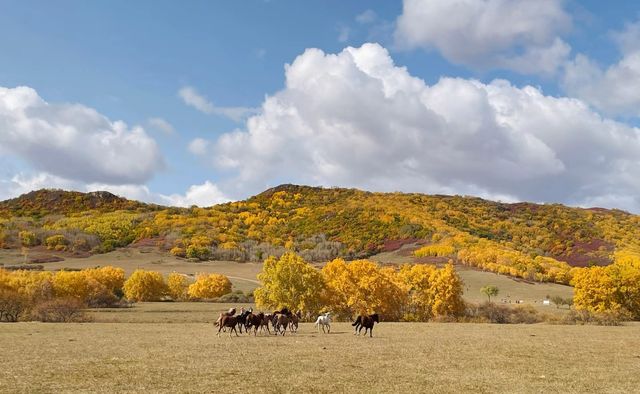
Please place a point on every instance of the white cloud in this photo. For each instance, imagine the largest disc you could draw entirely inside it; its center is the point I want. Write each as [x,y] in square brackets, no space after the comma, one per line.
[355,119]
[203,195]
[366,17]
[192,98]
[613,90]
[72,141]
[198,146]
[161,125]
[520,35]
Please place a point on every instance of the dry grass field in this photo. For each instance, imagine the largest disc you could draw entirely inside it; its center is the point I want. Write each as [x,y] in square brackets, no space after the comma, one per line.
[172,347]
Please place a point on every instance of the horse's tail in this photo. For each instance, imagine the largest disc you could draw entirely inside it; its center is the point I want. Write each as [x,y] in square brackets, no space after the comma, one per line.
[358,321]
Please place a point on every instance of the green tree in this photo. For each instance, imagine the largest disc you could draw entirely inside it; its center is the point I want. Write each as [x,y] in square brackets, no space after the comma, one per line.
[490,291]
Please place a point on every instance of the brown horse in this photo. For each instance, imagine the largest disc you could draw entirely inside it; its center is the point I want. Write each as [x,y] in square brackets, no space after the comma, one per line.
[265,322]
[255,322]
[228,321]
[293,322]
[366,322]
[281,323]
[230,312]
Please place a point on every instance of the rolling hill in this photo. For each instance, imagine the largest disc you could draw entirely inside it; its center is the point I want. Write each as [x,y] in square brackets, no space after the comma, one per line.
[532,241]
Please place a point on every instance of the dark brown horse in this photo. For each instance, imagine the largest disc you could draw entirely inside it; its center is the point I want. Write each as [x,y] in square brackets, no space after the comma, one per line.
[366,322]
[281,323]
[228,321]
[255,322]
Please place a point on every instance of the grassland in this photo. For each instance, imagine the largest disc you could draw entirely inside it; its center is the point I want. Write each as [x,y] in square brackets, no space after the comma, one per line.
[171,347]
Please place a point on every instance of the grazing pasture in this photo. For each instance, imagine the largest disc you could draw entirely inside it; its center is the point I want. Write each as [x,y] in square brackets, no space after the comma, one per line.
[153,353]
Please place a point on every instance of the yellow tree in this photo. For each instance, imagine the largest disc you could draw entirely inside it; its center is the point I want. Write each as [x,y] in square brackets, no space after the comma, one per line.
[289,282]
[446,290]
[111,277]
[177,286]
[209,286]
[625,272]
[78,285]
[362,287]
[144,286]
[594,290]
[416,280]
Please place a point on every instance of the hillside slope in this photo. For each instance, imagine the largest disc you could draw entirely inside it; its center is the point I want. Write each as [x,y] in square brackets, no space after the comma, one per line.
[538,242]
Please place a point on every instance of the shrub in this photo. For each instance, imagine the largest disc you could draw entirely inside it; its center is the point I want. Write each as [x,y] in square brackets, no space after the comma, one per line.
[144,286]
[198,252]
[209,286]
[177,286]
[236,297]
[583,317]
[56,242]
[77,284]
[489,312]
[59,310]
[178,251]
[13,305]
[28,238]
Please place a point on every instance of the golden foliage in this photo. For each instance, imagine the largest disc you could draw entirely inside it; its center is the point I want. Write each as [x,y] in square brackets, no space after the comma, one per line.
[209,286]
[144,286]
[361,286]
[177,286]
[289,282]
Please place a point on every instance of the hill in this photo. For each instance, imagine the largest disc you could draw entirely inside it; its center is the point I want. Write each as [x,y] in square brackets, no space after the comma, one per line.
[532,241]
[43,202]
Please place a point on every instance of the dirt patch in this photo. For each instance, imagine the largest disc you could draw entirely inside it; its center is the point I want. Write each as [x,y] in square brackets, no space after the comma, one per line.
[391,245]
[45,259]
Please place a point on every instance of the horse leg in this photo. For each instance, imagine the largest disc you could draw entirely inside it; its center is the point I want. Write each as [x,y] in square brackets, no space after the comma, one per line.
[371,332]
[328,328]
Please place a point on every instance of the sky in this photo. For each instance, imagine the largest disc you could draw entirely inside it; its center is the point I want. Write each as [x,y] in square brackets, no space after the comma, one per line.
[201,102]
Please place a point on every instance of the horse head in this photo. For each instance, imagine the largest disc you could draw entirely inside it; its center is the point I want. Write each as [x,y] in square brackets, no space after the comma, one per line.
[375,318]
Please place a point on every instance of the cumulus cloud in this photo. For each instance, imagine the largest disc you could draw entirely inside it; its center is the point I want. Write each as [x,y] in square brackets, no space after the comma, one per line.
[74,142]
[355,119]
[202,195]
[191,97]
[519,35]
[613,90]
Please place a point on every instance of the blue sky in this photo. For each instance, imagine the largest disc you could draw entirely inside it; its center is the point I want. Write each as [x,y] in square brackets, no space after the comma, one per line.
[129,62]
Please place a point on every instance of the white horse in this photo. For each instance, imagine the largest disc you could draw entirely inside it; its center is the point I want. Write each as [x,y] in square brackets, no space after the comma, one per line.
[324,321]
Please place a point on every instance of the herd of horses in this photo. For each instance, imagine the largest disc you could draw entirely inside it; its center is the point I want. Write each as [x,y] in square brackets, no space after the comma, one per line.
[283,321]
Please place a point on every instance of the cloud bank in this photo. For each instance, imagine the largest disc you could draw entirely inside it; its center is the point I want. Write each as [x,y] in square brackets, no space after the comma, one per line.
[355,119]
[73,141]
[519,35]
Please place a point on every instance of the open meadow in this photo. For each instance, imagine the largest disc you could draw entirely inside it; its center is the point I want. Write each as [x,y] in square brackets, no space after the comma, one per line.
[172,347]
